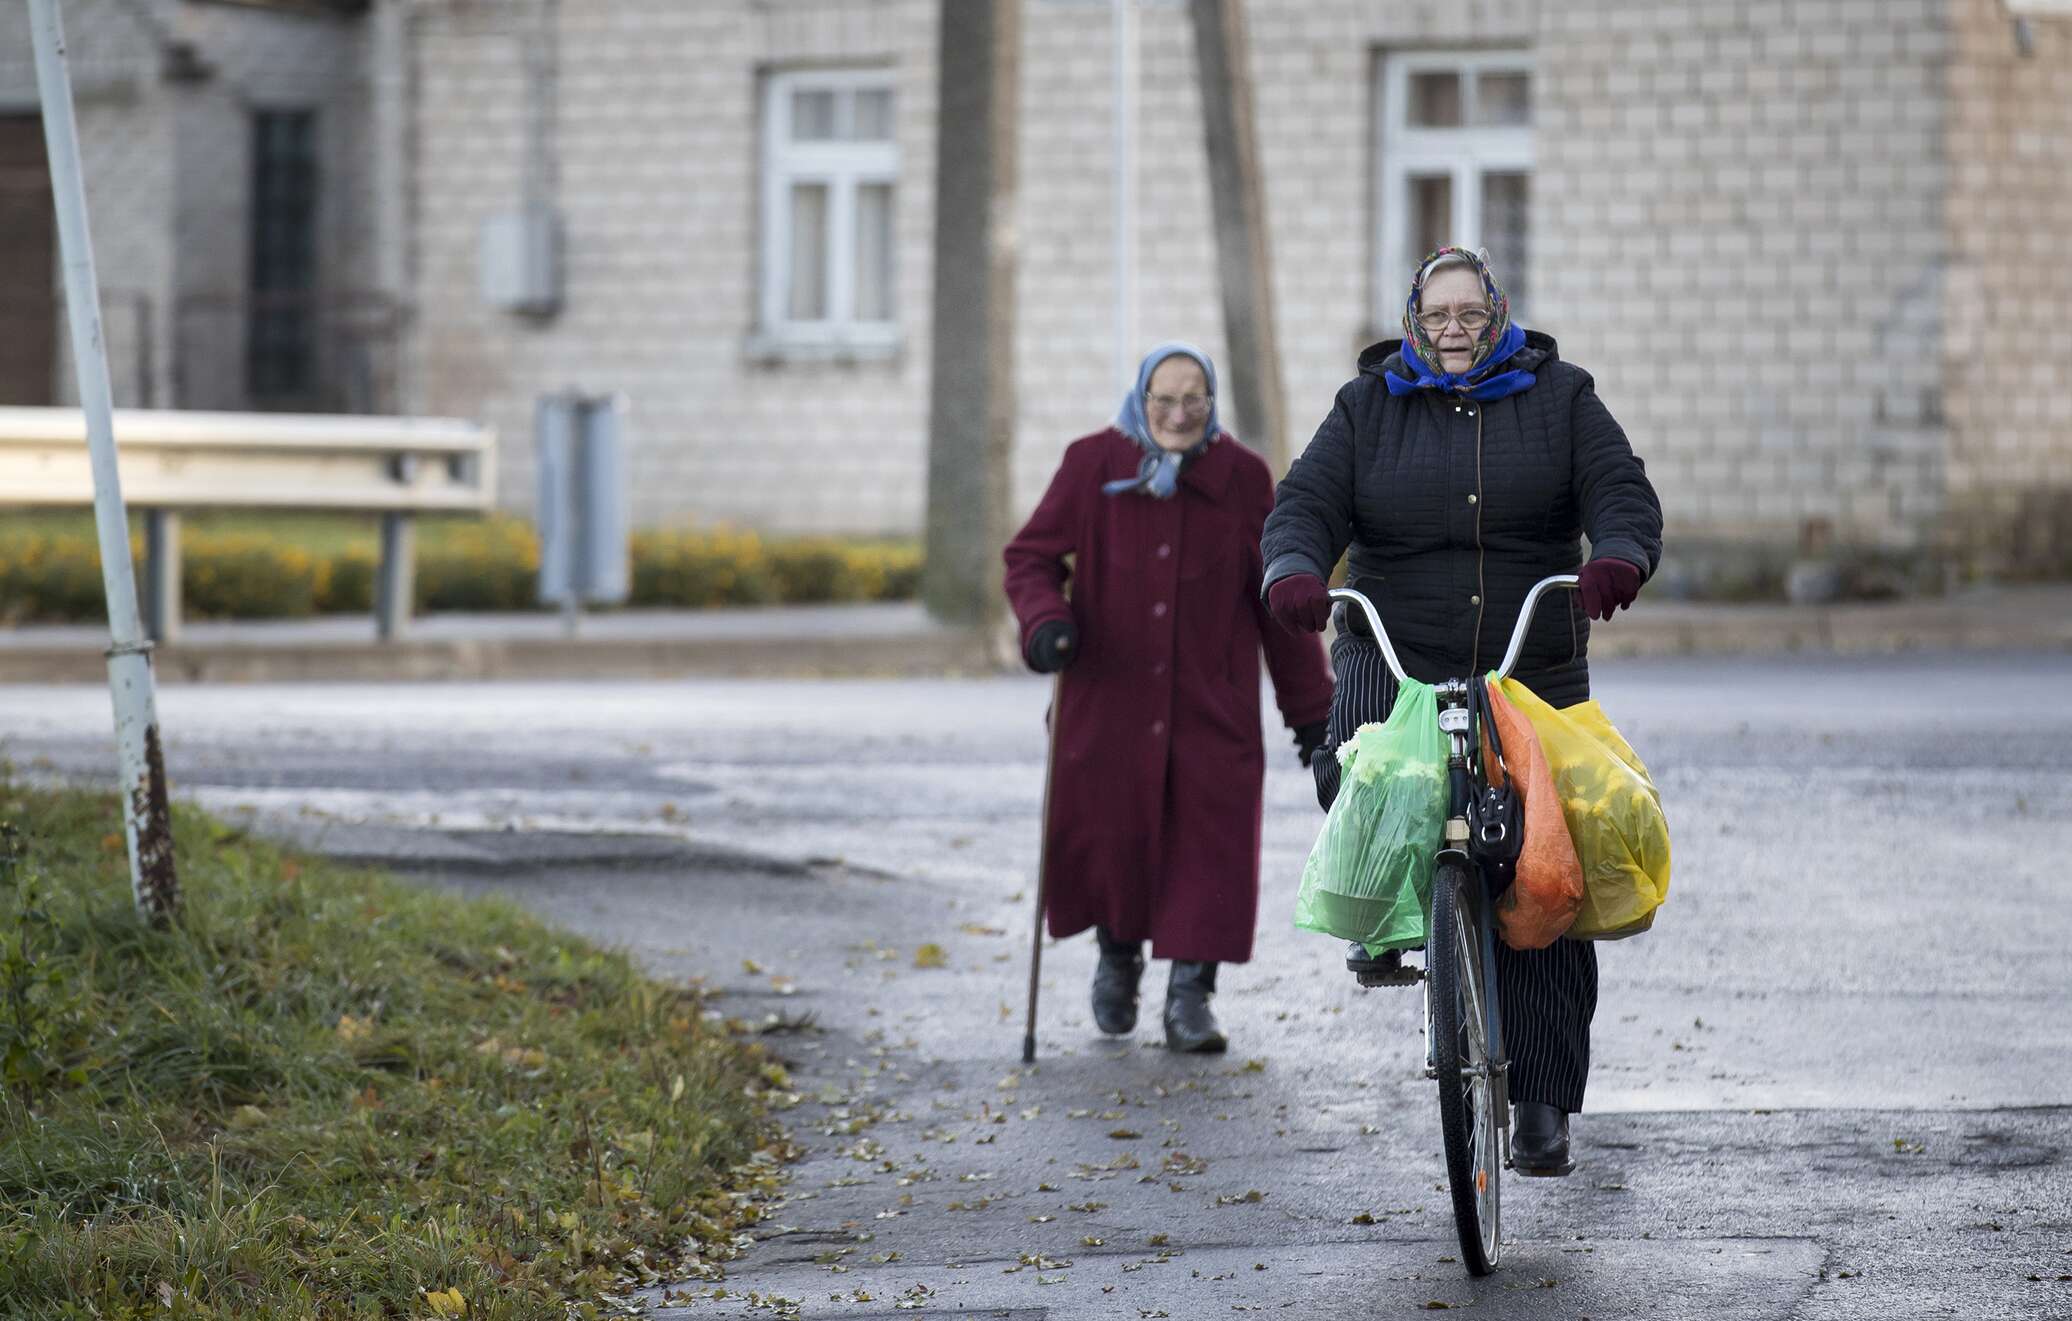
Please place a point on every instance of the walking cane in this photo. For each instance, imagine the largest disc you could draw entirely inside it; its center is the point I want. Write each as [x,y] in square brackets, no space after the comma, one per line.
[1050,771]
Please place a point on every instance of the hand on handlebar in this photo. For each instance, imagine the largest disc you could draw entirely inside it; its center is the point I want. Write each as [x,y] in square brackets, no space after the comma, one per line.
[1607,585]
[1300,602]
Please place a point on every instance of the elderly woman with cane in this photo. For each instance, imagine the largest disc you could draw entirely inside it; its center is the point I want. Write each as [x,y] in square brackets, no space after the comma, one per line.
[1464,463]
[1153,813]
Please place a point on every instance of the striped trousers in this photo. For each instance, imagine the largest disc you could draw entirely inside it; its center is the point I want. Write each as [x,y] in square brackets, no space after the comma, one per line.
[1547,996]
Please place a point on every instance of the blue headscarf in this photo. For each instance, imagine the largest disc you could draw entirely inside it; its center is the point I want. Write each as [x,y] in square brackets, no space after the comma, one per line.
[1158,475]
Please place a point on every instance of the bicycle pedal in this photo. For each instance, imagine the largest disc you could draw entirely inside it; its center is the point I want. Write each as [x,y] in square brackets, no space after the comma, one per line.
[1397,977]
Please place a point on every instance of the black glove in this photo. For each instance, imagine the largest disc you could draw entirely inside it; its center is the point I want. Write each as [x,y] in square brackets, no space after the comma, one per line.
[1052,646]
[1309,740]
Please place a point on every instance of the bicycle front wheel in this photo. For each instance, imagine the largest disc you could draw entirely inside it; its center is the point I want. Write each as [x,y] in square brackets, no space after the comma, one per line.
[1461,1056]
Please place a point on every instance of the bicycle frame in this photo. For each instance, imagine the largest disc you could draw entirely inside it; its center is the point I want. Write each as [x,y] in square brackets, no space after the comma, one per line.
[1453,719]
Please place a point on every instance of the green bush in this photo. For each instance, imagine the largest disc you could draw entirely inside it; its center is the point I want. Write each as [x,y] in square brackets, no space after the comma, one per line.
[824,569]
[347,582]
[245,575]
[493,564]
[258,571]
[701,568]
[46,577]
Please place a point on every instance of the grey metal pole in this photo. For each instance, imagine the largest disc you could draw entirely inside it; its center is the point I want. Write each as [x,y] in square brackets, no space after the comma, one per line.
[1125,13]
[146,818]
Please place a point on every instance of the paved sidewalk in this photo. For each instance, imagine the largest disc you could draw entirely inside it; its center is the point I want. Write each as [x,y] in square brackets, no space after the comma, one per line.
[899,638]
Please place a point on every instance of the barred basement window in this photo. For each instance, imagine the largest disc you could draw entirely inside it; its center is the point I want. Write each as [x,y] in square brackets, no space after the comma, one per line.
[1455,134]
[830,180]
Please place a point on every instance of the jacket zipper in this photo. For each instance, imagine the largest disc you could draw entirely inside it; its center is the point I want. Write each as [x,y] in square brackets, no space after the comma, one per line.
[1481,592]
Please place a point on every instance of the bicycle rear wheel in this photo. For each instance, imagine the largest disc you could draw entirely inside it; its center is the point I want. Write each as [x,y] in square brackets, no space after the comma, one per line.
[1461,1057]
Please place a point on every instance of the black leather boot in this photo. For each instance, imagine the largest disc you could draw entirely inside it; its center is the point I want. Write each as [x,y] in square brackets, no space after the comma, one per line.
[1189,1026]
[1115,984]
[1539,1140]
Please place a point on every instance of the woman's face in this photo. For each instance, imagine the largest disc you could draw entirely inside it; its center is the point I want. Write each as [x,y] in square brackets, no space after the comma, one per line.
[1454,290]
[1177,403]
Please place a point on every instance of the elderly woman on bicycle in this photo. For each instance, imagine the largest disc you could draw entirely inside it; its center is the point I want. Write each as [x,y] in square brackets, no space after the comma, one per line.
[1462,465]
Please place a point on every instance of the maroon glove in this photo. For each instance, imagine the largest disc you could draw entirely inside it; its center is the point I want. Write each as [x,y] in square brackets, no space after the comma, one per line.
[1300,602]
[1607,585]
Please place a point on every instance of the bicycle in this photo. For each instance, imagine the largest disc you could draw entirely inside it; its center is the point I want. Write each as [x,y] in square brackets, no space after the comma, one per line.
[1463,1028]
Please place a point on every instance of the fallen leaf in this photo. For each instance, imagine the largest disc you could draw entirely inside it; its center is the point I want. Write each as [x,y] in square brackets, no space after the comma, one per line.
[931,955]
[1364,1218]
[1124,1134]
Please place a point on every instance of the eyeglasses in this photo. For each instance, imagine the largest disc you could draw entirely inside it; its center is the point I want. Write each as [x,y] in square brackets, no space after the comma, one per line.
[1471,319]
[1193,405]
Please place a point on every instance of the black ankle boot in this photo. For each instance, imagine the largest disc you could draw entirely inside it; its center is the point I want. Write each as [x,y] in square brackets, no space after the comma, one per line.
[1539,1140]
[1115,984]
[1189,1026]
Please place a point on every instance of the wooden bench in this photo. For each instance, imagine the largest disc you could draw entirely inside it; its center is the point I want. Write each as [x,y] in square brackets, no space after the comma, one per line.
[176,461]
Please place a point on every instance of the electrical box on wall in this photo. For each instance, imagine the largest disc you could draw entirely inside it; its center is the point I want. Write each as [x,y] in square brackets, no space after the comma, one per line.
[521,261]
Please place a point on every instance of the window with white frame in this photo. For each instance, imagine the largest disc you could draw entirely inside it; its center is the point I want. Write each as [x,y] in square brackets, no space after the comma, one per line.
[1455,134]
[830,175]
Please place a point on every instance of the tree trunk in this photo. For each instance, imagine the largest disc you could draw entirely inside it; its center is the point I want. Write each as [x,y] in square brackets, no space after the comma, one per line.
[1224,63]
[971,418]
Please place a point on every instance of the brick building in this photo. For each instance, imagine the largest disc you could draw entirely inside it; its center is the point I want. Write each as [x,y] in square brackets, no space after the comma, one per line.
[1806,248]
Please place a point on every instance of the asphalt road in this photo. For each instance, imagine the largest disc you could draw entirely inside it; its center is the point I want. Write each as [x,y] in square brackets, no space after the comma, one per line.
[1831,1083]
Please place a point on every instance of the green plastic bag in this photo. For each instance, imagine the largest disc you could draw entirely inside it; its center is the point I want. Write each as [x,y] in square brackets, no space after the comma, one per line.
[1369,876]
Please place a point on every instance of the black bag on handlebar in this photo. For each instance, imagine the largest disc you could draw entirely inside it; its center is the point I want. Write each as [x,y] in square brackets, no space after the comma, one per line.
[1496,815]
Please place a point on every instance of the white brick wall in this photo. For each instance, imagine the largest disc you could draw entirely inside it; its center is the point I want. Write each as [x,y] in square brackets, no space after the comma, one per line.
[1795,214]
[657,138]
[1741,218]
[2006,340]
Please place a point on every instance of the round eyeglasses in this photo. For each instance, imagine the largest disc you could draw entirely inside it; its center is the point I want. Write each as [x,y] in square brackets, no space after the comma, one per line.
[1192,405]
[1471,319]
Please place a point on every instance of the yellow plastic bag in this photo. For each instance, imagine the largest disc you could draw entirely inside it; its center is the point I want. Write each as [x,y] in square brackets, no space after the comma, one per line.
[1614,816]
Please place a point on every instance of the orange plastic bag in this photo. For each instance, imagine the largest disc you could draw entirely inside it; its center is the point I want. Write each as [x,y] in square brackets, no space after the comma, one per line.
[1542,902]
[1614,815]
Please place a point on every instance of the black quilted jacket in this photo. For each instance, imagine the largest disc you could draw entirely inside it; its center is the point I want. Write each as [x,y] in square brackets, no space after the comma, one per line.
[1453,509]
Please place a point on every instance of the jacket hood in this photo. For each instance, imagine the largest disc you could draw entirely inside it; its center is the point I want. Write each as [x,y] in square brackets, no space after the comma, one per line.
[1387,356]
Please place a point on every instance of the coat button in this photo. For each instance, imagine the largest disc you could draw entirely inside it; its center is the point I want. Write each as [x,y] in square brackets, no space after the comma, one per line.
[1474,600]
[1158,610]
[1474,499]
[1157,728]
[1471,412]
[1164,549]
[1158,670]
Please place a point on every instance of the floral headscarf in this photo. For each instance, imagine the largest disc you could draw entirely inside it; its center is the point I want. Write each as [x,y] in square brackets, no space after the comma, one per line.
[1497,344]
[1499,307]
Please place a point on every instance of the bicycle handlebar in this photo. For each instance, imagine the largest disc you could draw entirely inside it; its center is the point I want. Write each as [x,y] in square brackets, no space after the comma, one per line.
[1388,650]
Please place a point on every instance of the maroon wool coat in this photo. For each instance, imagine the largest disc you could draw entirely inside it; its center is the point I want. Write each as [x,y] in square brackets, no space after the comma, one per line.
[1155,799]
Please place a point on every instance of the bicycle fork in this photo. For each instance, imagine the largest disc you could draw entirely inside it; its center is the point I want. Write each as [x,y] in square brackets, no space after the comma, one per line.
[1453,720]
